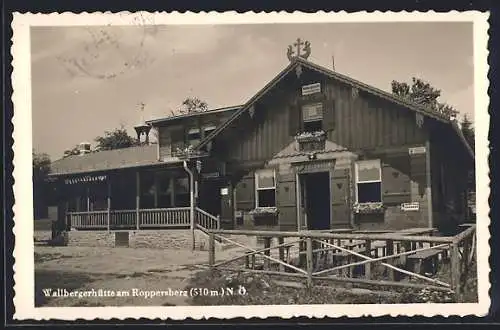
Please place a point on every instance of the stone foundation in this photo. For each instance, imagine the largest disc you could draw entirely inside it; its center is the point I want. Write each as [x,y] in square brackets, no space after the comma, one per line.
[155,239]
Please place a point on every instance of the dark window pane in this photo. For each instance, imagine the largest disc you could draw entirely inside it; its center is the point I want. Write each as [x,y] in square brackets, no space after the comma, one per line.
[266,198]
[369,192]
[313,126]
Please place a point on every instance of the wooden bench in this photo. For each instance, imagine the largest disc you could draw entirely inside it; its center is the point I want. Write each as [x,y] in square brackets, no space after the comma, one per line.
[425,258]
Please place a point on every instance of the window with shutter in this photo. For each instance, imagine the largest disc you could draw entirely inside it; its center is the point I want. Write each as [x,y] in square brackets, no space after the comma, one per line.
[194,136]
[312,117]
[177,139]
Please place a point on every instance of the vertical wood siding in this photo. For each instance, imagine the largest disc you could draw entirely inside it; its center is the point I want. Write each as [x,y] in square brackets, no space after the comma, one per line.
[361,122]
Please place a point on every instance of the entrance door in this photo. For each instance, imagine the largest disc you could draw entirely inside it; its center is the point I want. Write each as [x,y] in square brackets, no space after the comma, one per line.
[209,197]
[316,200]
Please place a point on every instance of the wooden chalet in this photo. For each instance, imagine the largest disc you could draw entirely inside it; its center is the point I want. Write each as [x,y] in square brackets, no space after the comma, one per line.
[312,150]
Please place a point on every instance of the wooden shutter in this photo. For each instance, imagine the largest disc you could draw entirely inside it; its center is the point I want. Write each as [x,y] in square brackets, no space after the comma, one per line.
[286,201]
[245,193]
[329,115]
[294,118]
[340,190]
[396,186]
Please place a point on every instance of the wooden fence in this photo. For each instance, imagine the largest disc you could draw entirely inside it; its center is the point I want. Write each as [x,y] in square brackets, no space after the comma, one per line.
[401,259]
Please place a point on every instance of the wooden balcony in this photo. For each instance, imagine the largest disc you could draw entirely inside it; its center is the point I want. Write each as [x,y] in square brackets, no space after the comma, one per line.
[161,218]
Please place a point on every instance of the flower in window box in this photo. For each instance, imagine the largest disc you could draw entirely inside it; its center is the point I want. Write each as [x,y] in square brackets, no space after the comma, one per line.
[264,215]
[366,208]
[264,211]
[310,136]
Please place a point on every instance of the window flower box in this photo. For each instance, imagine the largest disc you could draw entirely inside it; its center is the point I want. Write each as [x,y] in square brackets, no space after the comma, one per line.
[265,216]
[310,136]
[311,141]
[369,208]
[187,152]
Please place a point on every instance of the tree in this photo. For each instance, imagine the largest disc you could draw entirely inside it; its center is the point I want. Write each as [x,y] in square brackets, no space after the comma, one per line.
[424,94]
[70,152]
[117,139]
[41,168]
[468,130]
[194,104]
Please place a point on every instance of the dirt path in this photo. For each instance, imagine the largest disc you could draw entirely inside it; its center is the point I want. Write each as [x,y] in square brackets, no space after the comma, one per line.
[130,275]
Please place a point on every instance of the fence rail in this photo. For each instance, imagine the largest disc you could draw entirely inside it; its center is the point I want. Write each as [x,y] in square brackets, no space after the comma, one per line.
[373,259]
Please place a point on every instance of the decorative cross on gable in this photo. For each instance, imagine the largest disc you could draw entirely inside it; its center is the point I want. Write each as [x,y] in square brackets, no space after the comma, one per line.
[302,49]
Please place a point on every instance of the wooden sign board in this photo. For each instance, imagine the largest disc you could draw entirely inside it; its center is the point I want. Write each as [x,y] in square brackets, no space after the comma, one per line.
[311,89]
[414,206]
[417,150]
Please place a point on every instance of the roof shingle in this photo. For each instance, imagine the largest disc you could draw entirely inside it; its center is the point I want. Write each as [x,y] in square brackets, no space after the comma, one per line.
[106,160]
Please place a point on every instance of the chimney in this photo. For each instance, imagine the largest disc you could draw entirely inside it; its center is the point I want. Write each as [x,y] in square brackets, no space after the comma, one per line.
[84,148]
[142,129]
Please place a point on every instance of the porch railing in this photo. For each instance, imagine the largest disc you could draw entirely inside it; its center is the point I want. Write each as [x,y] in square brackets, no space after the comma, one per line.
[129,219]
[206,220]
[122,219]
[94,220]
[171,217]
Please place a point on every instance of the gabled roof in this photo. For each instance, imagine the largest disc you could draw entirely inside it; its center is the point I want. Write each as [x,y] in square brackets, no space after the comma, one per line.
[344,79]
[192,114]
[106,160]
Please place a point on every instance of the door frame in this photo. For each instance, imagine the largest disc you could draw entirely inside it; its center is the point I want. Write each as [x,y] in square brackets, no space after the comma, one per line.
[300,182]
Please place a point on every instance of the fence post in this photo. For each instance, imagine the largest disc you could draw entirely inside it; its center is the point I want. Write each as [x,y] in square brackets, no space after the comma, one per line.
[309,261]
[455,270]
[137,198]
[267,245]
[389,251]
[281,241]
[211,249]
[368,266]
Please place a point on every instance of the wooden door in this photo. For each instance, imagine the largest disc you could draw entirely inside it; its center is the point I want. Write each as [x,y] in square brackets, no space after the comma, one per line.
[227,206]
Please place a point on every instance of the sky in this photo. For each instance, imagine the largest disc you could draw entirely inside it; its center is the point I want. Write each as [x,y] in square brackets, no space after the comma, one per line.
[88,80]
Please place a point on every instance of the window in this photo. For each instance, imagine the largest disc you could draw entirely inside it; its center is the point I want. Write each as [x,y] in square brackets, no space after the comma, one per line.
[312,117]
[194,136]
[368,181]
[265,188]
[207,130]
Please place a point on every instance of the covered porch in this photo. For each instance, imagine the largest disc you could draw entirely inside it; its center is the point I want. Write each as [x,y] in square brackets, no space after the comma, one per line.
[154,197]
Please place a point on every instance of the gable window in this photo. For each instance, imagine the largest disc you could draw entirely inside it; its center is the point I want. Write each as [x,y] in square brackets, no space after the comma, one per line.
[208,129]
[265,188]
[368,181]
[194,136]
[312,117]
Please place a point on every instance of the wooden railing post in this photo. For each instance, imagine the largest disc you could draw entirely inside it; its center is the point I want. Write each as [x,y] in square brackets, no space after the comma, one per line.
[281,241]
[211,249]
[309,261]
[455,270]
[389,251]
[267,245]
[137,198]
[368,266]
